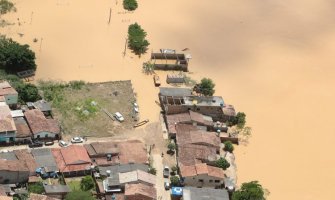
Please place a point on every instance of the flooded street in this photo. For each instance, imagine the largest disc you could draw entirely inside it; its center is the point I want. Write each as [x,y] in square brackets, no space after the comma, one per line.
[273,60]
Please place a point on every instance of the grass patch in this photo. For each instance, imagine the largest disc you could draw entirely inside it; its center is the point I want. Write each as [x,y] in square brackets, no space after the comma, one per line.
[74,185]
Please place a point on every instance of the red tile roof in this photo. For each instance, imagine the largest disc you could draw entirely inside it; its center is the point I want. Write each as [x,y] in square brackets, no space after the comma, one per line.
[27,158]
[38,123]
[201,169]
[140,191]
[190,154]
[6,120]
[72,158]
[22,128]
[13,165]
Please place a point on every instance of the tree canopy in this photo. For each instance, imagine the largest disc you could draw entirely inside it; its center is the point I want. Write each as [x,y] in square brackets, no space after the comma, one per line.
[15,57]
[238,120]
[206,87]
[28,93]
[130,5]
[222,163]
[175,181]
[86,183]
[250,191]
[171,146]
[136,39]
[82,195]
[6,6]
[228,146]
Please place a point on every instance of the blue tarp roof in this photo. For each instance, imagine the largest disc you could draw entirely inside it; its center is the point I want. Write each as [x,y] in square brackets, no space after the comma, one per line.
[177,191]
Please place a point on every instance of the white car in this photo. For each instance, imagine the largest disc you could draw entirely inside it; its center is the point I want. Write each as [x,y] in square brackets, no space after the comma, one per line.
[135,107]
[62,143]
[77,140]
[119,117]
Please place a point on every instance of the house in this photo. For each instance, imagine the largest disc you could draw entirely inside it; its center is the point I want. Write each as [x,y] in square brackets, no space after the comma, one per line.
[122,168]
[169,61]
[23,156]
[8,93]
[175,78]
[187,135]
[212,106]
[121,152]
[191,154]
[202,175]
[140,191]
[44,159]
[56,191]
[137,176]
[40,197]
[41,127]
[23,133]
[72,160]
[43,106]
[193,193]
[178,92]
[13,171]
[190,117]
[7,125]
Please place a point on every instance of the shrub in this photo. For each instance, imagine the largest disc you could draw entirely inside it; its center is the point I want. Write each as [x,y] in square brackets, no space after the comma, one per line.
[86,183]
[222,163]
[171,146]
[238,120]
[36,188]
[130,5]
[206,87]
[228,146]
[82,195]
[152,171]
[136,39]
[251,190]
[28,93]
[175,181]
[6,6]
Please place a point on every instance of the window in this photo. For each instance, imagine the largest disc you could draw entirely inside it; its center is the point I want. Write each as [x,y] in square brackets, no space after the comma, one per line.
[201,180]
[211,181]
[217,181]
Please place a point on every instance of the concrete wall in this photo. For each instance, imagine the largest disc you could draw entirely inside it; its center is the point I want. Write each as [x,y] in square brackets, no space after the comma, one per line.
[6,136]
[213,111]
[43,135]
[138,197]
[208,181]
[11,99]
[11,177]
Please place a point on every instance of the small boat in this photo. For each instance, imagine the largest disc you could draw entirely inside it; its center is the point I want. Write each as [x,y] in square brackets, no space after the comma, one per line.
[141,123]
[157,80]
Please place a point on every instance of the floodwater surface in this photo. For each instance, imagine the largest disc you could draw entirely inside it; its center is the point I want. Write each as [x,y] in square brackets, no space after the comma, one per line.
[274,60]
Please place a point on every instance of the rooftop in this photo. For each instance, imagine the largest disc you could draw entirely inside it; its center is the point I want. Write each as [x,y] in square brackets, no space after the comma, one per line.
[6,120]
[6,88]
[201,169]
[115,169]
[165,91]
[229,110]
[38,123]
[192,193]
[22,128]
[138,175]
[71,158]
[44,158]
[12,165]
[191,154]
[140,189]
[204,101]
[24,156]
[42,105]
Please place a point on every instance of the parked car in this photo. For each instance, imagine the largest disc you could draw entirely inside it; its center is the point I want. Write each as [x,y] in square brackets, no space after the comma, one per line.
[49,143]
[62,143]
[77,140]
[35,144]
[166,185]
[119,117]
[166,172]
[157,80]
[136,109]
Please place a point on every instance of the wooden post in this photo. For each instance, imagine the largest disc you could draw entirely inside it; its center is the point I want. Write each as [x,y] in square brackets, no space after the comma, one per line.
[110,14]
[125,47]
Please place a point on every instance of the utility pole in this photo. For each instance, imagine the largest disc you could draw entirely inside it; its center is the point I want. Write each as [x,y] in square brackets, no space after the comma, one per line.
[110,14]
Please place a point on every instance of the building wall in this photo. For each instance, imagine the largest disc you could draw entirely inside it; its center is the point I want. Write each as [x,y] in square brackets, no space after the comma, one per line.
[11,99]
[213,111]
[43,135]
[138,197]
[208,181]
[11,177]
[6,136]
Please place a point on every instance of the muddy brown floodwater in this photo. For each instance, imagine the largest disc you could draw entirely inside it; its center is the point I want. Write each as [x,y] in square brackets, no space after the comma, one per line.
[274,60]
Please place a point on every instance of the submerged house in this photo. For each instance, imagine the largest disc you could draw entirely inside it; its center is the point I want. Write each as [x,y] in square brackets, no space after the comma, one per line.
[169,61]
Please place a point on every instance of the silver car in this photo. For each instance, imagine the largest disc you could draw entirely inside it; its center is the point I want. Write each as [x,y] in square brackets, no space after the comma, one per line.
[119,117]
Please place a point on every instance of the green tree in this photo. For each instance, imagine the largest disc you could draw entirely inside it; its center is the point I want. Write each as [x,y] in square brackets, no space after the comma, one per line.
[238,120]
[222,163]
[36,188]
[28,93]
[6,6]
[175,181]
[86,183]
[15,57]
[171,146]
[206,87]
[250,191]
[136,39]
[82,195]
[130,5]
[228,146]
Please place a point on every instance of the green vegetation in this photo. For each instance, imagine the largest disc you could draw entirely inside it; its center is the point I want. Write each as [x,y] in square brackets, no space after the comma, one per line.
[238,120]
[15,57]
[86,108]
[174,170]
[148,67]
[36,188]
[205,87]
[130,5]
[76,85]
[222,163]
[82,195]
[152,171]
[171,146]
[74,185]
[250,191]
[28,93]
[136,39]
[20,197]
[175,181]
[6,6]
[86,183]
[228,146]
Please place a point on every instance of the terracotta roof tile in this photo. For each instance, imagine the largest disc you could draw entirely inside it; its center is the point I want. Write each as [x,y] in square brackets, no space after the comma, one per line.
[6,120]
[201,169]
[27,158]
[22,128]
[191,154]
[39,123]
[13,165]
[140,190]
